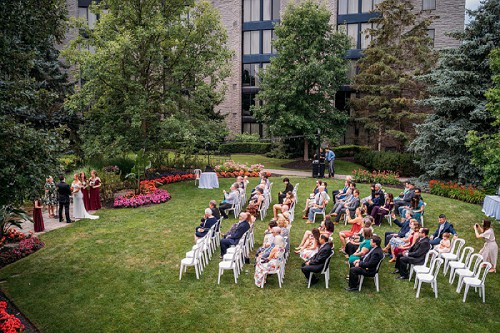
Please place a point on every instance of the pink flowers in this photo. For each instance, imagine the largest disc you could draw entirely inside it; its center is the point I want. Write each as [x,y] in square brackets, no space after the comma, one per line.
[155,197]
[231,166]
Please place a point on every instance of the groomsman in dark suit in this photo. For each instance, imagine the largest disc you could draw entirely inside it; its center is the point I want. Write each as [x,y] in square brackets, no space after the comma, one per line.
[366,266]
[316,263]
[64,192]
[414,256]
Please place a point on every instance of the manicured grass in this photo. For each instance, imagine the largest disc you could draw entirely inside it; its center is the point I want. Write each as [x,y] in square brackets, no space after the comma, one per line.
[120,274]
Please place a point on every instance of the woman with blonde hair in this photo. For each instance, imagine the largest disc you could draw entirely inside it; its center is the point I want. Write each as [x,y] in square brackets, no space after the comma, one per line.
[271,264]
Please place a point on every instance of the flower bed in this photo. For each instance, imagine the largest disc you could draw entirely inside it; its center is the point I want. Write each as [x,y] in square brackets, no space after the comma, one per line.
[130,200]
[382,177]
[26,247]
[234,174]
[8,322]
[232,166]
[452,190]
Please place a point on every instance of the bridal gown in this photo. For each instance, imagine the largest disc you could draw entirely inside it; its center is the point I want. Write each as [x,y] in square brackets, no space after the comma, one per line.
[79,210]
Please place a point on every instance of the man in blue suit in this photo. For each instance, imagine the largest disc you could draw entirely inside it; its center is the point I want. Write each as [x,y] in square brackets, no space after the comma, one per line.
[234,238]
[444,226]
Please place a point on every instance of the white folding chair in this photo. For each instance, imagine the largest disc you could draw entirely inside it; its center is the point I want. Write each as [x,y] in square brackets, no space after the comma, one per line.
[229,265]
[322,212]
[197,174]
[191,261]
[278,272]
[430,277]
[375,278]
[295,189]
[462,273]
[325,271]
[477,281]
[422,215]
[429,258]
[388,217]
[461,263]
[454,253]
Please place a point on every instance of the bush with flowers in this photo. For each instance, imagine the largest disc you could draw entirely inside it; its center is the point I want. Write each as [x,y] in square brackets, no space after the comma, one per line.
[26,247]
[8,322]
[382,177]
[232,166]
[466,193]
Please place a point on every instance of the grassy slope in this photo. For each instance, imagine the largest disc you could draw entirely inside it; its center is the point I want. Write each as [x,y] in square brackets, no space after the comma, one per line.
[120,274]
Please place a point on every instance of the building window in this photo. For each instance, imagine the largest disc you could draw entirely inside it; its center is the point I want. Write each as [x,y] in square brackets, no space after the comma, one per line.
[267,37]
[251,41]
[431,33]
[251,10]
[429,4]
[252,128]
[353,33]
[352,6]
[276,9]
[365,35]
[366,6]
[88,16]
[250,75]
[248,100]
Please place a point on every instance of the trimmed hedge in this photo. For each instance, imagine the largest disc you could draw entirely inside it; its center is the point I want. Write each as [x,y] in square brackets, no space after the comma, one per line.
[245,147]
[402,163]
[349,150]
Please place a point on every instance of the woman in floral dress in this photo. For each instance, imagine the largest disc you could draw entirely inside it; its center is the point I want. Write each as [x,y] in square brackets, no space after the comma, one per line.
[50,197]
[271,264]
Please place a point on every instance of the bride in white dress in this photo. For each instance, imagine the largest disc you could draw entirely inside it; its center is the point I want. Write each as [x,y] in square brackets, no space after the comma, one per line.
[79,211]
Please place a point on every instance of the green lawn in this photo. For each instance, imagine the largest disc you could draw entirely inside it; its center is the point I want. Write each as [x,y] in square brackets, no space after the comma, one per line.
[120,274]
[341,167]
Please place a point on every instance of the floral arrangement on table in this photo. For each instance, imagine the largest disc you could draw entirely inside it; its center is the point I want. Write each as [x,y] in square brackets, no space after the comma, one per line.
[382,177]
[8,322]
[27,246]
[466,193]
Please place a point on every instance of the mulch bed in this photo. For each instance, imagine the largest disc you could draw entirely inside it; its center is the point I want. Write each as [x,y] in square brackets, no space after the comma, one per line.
[299,164]
[12,309]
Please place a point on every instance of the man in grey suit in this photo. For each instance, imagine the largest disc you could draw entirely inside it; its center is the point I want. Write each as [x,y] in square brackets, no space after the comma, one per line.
[350,207]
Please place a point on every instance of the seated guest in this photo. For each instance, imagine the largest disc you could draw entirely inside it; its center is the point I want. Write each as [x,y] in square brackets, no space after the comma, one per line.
[375,199]
[406,200]
[326,228]
[445,244]
[311,246]
[405,227]
[207,222]
[320,201]
[342,193]
[364,246]
[416,205]
[399,245]
[309,204]
[349,207]
[316,263]
[378,212]
[325,184]
[285,205]
[270,264]
[402,194]
[288,188]
[353,242]
[367,266]
[283,224]
[215,210]
[265,179]
[230,199]
[316,188]
[234,237]
[414,256]
[356,227]
[444,226]
[257,198]
[268,243]
[241,183]
[340,201]
[245,182]
[252,214]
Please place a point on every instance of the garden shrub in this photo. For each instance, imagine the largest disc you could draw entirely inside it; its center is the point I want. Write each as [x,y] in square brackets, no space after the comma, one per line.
[349,150]
[402,163]
[383,177]
[245,137]
[25,248]
[278,150]
[466,193]
[245,147]
[69,162]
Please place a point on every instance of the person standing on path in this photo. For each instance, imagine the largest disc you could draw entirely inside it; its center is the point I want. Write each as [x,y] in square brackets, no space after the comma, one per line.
[64,191]
[330,159]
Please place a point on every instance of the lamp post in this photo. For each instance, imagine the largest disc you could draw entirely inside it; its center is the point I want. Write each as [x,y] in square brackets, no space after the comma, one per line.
[207,146]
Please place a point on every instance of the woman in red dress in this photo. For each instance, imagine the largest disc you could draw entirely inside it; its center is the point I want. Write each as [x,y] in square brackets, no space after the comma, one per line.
[85,190]
[37,216]
[95,187]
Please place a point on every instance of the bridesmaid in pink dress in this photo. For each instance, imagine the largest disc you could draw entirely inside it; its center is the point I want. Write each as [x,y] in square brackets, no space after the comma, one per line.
[85,190]
[95,187]
[38,217]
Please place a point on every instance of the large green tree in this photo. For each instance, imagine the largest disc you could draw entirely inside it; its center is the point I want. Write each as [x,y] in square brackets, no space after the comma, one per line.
[298,87]
[32,89]
[399,51]
[152,73]
[457,88]
[485,148]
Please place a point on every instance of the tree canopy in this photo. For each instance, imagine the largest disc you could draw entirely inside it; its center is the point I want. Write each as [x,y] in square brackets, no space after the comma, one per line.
[151,72]
[298,88]
[399,51]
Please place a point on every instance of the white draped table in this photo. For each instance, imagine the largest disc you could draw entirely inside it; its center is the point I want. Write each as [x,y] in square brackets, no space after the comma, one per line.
[491,206]
[208,180]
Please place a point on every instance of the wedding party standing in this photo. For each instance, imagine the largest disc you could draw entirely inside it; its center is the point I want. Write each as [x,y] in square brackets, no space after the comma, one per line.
[85,190]
[38,216]
[95,188]
[64,192]
[79,210]
[50,197]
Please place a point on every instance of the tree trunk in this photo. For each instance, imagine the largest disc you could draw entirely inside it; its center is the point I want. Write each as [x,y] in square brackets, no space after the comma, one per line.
[306,149]
[379,140]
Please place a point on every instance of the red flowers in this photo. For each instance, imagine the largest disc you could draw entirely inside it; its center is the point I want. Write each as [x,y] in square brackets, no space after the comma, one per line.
[466,193]
[9,323]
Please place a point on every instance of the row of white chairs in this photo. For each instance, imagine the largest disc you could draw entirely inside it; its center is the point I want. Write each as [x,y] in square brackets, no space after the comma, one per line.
[234,258]
[470,268]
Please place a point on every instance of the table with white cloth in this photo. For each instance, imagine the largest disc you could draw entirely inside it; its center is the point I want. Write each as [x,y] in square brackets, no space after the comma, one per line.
[208,180]
[491,206]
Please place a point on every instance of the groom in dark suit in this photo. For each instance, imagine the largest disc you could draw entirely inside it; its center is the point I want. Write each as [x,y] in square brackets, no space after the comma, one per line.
[64,191]
[366,266]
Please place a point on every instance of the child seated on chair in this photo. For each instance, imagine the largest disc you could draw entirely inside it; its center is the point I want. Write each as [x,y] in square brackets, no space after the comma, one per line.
[445,244]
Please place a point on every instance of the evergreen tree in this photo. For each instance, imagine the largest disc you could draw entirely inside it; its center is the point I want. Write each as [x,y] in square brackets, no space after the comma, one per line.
[485,148]
[154,76]
[457,88]
[399,51]
[298,87]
